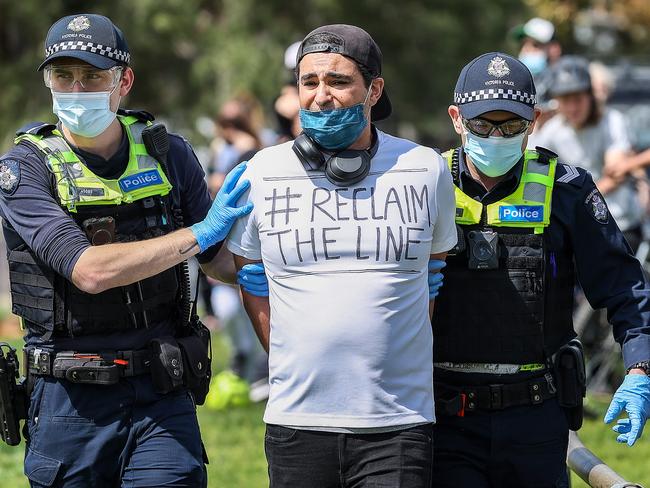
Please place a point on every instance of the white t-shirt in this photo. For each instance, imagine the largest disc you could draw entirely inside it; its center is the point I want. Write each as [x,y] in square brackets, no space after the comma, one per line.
[351,341]
[586,148]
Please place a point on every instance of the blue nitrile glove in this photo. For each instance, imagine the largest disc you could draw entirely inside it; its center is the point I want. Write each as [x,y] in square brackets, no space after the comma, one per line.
[633,396]
[252,278]
[435,279]
[223,212]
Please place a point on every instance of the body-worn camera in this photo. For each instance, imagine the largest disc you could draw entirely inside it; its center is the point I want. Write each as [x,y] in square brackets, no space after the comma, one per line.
[100,230]
[483,249]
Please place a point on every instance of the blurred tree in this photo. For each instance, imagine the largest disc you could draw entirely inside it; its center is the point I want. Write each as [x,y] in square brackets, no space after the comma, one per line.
[191,55]
[626,21]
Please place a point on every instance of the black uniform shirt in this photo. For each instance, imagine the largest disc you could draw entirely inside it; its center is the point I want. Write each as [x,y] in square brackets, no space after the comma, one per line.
[33,210]
[609,274]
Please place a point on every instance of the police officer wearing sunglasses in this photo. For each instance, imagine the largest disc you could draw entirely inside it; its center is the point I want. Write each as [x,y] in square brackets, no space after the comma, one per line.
[100,212]
[508,372]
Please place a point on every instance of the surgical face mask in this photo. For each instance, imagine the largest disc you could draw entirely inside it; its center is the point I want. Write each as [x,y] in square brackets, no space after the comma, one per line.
[535,62]
[335,129]
[494,156]
[86,114]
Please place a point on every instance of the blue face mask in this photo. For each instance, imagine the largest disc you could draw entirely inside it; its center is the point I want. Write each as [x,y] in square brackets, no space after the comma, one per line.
[335,129]
[494,156]
[86,114]
[535,62]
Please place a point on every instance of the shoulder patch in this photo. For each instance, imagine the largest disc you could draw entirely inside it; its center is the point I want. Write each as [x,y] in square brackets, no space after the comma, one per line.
[9,176]
[36,128]
[596,206]
[566,173]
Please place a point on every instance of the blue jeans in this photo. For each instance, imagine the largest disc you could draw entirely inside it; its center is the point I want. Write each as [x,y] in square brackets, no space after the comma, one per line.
[314,459]
[106,436]
[522,447]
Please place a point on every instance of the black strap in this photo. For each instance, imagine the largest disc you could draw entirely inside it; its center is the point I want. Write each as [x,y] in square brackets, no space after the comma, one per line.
[493,397]
[193,313]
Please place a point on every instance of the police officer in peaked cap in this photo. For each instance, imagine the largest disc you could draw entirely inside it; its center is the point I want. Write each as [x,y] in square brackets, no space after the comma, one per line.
[508,371]
[100,212]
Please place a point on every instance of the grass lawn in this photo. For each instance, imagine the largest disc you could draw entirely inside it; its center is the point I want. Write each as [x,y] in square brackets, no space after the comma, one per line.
[234,441]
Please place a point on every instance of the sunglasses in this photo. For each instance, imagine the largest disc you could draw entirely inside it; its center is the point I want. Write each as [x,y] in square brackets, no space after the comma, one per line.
[485,128]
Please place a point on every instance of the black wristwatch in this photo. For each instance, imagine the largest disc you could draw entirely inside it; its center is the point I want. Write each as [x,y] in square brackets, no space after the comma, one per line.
[644,365]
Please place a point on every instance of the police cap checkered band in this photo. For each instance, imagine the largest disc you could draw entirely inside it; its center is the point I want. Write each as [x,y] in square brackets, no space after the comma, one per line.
[495,81]
[491,93]
[107,51]
[91,38]
[355,43]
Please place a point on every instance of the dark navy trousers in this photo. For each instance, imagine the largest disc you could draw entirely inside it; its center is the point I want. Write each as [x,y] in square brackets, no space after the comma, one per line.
[123,435]
[522,447]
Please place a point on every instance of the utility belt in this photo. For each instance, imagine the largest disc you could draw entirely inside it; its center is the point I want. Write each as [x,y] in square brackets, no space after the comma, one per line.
[566,381]
[174,363]
[456,400]
[103,368]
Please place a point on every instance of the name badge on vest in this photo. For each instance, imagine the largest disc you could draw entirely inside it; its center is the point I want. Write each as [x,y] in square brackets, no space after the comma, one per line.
[140,180]
[521,213]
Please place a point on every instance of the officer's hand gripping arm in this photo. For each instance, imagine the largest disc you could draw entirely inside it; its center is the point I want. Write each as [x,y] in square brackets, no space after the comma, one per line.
[255,302]
[435,277]
[252,278]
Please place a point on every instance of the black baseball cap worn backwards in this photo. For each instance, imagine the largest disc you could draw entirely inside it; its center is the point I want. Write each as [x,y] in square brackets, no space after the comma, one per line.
[495,81]
[91,38]
[355,43]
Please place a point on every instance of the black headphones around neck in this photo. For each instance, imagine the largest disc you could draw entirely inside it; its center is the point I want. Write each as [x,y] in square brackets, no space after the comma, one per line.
[342,168]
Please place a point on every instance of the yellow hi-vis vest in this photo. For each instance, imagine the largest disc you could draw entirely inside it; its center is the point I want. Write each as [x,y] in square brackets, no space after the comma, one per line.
[77,185]
[529,206]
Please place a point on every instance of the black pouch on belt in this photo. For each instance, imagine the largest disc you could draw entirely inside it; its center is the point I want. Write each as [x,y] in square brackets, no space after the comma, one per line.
[166,364]
[195,348]
[569,366]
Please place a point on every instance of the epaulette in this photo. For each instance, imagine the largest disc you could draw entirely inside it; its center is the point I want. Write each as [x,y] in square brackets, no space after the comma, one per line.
[545,155]
[566,173]
[36,129]
[141,115]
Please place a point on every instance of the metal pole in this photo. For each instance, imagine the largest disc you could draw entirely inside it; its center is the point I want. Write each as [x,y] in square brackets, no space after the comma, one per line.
[591,469]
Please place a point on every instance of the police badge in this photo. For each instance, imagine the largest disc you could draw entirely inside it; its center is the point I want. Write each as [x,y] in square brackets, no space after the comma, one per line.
[79,23]
[9,176]
[498,67]
[596,205]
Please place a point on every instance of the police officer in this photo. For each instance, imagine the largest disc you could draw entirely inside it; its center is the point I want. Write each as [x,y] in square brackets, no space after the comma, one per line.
[508,375]
[99,213]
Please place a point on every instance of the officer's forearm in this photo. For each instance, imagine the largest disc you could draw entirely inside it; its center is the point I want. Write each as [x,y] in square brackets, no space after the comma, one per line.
[100,268]
[221,267]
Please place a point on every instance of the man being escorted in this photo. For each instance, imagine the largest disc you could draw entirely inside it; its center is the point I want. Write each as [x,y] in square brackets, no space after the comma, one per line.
[509,374]
[345,221]
[95,215]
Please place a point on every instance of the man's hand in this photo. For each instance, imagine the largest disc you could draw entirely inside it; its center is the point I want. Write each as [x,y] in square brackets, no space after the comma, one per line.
[435,277]
[223,213]
[252,278]
[633,396]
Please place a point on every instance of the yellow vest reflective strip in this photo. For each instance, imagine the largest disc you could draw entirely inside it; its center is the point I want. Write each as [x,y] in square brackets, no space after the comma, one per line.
[77,185]
[529,206]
